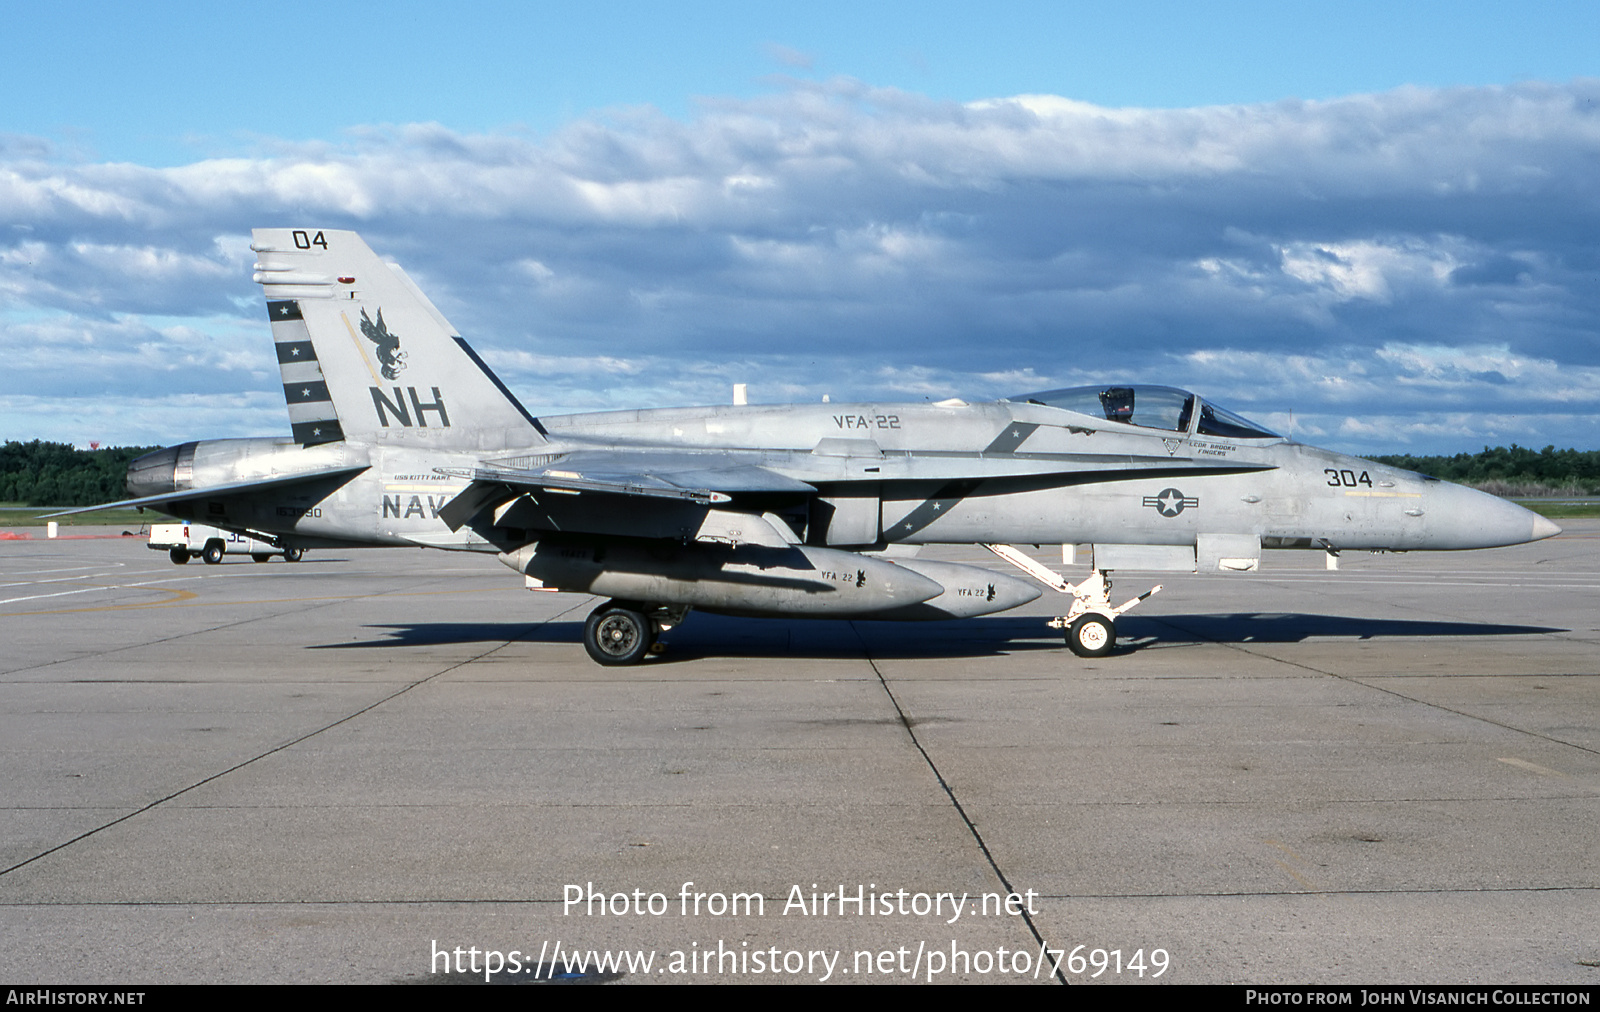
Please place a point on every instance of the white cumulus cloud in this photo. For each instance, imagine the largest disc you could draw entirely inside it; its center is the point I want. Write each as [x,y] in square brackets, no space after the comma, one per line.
[1422,250]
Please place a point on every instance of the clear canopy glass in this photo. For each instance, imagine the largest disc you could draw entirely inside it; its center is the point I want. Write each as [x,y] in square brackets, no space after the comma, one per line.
[1154,407]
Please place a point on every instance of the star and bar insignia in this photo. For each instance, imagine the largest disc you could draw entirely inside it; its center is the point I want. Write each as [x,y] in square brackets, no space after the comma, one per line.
[1171,502]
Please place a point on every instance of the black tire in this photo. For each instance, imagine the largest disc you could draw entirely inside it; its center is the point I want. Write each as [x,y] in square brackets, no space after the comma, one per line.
[615,635]
[260,557]
[293,554]
[178,555]
[1092,636]
[213,553]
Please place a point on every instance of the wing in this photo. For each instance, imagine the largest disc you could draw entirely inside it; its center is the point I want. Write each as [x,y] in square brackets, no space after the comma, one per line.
[681,495]
[630,495]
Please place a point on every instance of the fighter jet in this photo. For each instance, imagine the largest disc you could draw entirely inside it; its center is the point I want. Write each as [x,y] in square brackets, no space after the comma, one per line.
[401,435]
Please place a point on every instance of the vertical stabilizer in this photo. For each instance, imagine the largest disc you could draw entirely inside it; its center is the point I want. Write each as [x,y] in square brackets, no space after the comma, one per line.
[366,356]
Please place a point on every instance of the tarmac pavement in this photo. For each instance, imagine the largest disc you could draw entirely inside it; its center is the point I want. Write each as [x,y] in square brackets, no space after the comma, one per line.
[333,770]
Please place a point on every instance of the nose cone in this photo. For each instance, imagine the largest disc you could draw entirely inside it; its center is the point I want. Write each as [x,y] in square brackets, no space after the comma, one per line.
[1543,528]
[1460,517]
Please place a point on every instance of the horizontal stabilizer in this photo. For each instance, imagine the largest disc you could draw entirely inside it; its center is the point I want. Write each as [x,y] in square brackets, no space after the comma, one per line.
[214,491]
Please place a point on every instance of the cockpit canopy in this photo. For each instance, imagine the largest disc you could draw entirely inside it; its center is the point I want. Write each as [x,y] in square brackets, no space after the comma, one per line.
[1153,407]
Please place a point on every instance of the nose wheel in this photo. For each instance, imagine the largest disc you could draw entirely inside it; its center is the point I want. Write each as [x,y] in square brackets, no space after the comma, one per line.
[1092,636]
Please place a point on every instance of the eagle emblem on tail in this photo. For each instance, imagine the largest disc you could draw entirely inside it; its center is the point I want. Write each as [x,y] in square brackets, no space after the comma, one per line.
[389,353]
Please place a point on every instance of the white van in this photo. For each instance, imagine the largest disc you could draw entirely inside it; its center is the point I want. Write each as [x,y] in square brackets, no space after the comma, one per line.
[185,541]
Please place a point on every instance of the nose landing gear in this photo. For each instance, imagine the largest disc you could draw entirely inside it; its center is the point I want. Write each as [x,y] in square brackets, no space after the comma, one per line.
[1091,622]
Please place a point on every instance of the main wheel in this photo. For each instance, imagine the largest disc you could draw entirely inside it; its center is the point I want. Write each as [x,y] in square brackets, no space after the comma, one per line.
[178,555]
[260,557]
[213,553]
[1092,636]
[293,554]
[615,635]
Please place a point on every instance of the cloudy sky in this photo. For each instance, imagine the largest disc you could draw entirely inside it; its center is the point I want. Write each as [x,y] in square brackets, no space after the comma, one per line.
[1377,230]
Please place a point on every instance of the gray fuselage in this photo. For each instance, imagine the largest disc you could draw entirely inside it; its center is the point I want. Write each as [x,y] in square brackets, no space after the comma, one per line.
[882,473]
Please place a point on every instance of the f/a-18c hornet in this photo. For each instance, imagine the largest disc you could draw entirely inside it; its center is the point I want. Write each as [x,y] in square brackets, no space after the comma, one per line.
[402,436]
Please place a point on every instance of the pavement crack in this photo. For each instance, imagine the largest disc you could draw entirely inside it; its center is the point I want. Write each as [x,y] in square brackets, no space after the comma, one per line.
[157,641]
[286,745]
[1358,680]
[944,785]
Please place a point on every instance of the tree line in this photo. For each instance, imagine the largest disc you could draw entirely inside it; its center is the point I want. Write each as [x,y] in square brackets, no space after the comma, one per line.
[59,474]
[1513,470]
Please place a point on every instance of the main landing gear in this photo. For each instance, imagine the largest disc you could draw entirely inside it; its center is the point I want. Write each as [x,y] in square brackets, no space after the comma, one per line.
[624,632]
[1091,622]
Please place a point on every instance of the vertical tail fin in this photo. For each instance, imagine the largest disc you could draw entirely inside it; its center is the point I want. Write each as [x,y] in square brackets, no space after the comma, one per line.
[366,356]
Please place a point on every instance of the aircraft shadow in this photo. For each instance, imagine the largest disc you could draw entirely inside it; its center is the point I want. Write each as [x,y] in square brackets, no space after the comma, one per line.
[420,634]
[1293,627]
[718,636]
[705,636]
